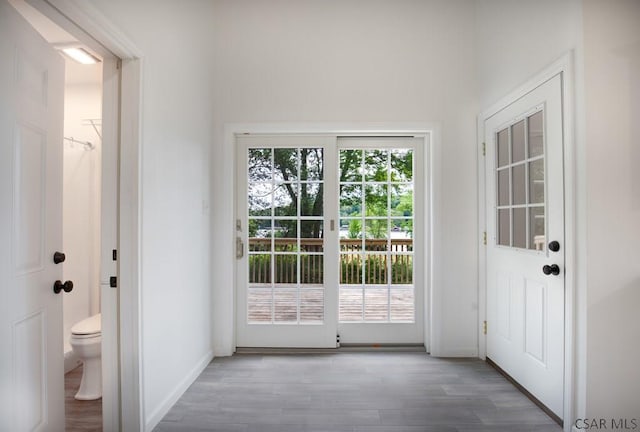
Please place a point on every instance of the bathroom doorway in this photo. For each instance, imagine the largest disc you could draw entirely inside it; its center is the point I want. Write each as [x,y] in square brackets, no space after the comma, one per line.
[81,242]
[86,258]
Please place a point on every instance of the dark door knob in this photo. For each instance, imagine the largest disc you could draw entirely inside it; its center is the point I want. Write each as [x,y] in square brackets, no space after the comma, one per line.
[554,246]
[551,269]
[59,257]
[59,286]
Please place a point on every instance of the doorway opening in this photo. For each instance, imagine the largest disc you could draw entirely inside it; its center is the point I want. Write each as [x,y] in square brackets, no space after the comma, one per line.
[89,226]
[333,226]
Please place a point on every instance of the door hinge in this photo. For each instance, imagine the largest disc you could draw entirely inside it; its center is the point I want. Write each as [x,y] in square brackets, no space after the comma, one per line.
[484,327]
[484,238]
[484,149]
[114,255]
[113,282]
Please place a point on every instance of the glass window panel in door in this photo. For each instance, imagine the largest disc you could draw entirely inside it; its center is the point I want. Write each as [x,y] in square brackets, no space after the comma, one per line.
[519,228]
[285,164]
[503,187]
[285,305]
[402,304]
[311,305]
[350,200]
[376,304]
[402,200]
[351,303]
[350,165]
[537,240]
[285,235]
[259,269]
[285,199]
[502,147]
[260,305]
[536,181]
[504,227]
[375,269]
[259,163]
[311,236]
[536,134]
[401,269]
[375,165]
[311,269]
[259,197]
[517,142]
[401,165]
[519,185]
[285,269]
[311,167]
[350,269]
[311,202]
[376,200]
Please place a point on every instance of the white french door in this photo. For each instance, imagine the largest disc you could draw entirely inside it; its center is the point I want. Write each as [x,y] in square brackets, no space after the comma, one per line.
[525,247]
[380,196]
[283,298]
[326,235]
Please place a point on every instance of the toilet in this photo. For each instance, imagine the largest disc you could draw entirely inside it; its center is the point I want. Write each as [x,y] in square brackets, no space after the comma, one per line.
[86,342]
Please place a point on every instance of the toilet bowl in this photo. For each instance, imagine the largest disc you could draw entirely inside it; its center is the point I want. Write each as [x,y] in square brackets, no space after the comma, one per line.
[86,342]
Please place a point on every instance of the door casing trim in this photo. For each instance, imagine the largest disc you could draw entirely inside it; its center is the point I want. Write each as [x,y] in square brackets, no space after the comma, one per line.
[564,66]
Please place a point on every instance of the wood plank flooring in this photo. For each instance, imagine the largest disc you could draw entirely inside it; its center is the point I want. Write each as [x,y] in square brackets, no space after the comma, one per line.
[353,392]
[81,416]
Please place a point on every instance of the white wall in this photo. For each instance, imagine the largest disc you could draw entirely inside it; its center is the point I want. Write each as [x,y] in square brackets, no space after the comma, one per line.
[612,111]
[176,137]
[81,194]
[351,61]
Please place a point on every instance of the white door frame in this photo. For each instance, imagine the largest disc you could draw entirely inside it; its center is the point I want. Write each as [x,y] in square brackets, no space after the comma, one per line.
[224,327]
[123,101]
[565,67]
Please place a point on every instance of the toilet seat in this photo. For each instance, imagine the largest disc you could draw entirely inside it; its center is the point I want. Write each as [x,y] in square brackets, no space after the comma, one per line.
[89,327]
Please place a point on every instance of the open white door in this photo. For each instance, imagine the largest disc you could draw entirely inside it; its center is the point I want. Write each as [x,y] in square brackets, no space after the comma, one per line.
[31,119]
[525,247]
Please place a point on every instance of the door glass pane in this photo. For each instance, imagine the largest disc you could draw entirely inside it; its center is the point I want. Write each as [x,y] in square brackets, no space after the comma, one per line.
[286,269]
[311,269]
[260,169]
[311,236]
[401,165]
[376,200]
[519,185]
[536,141]
[503,187]
[402,199]
[350,200]
[520,228]
[536,181]
[259,199]
[285,234]
[311,202]
[311,167]
[375,165]
[260,269]
[376,236]
[285,302]
[537,240]
[504,227]
[285,164]
[376,304]
[503,148]
[351,304]
[350,269]
[402,304]
[350,165]
[285,199]
[311,305]
[259,304]
[260,235]
[517,142]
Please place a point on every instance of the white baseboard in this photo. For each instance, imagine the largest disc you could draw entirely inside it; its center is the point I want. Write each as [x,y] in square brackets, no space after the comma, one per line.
[455,352]
[156,416]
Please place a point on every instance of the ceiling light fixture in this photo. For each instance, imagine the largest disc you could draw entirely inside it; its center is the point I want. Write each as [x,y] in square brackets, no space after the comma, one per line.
[80,55]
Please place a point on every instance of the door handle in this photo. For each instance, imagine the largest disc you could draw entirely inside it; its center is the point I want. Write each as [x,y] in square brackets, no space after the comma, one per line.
[552,269]
[59,286]
[59,257]
[239,248]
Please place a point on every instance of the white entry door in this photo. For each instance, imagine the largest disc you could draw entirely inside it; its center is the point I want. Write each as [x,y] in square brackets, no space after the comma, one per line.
[525,247]
[283,242]
[31,110]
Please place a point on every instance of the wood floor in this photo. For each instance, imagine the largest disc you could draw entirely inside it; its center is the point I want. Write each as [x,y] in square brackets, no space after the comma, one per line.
[80,416]
[353,392]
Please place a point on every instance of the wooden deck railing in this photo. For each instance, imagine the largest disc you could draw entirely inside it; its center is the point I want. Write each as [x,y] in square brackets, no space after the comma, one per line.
[352,260]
